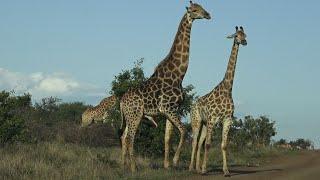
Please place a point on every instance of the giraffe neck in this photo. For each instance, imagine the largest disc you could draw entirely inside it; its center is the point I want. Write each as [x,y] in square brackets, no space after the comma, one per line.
[177,60]
[229,75]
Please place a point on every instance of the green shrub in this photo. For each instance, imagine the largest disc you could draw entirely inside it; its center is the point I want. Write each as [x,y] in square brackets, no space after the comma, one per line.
[12,116]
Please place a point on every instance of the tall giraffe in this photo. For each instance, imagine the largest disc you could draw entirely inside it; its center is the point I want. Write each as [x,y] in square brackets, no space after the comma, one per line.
[215,107]
[100,113]
[162,92]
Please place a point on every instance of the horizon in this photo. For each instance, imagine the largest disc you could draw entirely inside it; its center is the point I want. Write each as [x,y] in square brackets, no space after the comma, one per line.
[72,50]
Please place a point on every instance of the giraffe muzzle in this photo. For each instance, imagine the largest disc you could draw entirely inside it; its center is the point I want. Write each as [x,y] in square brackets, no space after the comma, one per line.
[207,15]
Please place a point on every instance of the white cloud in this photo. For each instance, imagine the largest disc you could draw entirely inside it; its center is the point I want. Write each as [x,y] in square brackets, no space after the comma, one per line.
[41,85]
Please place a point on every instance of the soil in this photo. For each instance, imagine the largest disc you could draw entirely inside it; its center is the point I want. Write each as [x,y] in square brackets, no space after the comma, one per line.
[304,165]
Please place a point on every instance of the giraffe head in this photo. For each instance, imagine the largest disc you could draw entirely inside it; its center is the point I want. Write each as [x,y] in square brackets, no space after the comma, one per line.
[196,11]
[87,118]
[239,36]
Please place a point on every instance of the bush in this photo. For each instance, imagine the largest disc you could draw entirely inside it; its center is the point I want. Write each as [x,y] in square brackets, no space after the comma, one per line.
[12,119]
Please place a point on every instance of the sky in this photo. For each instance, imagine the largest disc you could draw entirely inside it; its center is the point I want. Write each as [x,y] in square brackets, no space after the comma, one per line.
[73,49]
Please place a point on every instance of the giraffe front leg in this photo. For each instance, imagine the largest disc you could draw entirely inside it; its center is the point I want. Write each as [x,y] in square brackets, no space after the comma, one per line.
[169,128]
[200,143]
[226,127]
[210,126]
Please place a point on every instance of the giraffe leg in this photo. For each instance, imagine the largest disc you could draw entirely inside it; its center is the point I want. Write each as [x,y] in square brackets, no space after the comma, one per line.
[131,135]
[226,127]
[196,126]
[210,126]
[124,147]
[200,143]
[132,115]
[175,120]
[169,128]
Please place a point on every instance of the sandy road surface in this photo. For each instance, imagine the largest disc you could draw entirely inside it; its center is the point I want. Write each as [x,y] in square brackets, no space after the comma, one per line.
[304,166]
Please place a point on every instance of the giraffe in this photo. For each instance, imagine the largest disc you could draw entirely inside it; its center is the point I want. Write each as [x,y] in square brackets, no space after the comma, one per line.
[216,106]
[162,92]
[100,112]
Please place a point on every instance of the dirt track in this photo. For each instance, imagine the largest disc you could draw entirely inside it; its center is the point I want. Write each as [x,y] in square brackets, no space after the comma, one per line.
[305,165]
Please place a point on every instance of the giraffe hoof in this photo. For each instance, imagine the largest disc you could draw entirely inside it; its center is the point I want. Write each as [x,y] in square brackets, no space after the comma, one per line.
[227,175]
[166,166]
[190,169]
[203,172]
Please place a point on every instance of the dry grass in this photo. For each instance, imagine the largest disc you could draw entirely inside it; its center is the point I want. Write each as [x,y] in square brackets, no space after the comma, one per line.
[67,161]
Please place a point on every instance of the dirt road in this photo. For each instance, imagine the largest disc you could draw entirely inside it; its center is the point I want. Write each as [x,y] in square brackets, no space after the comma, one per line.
[305,165]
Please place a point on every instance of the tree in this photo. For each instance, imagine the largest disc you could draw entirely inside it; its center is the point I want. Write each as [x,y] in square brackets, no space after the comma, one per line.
[12,119]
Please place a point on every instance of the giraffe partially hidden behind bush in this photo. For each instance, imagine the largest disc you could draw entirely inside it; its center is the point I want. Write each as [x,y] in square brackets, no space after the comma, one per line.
[215,107]
[100,113]
[162,92]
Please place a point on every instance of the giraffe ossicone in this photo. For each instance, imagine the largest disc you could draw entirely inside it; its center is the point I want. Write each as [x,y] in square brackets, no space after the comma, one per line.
[162,92]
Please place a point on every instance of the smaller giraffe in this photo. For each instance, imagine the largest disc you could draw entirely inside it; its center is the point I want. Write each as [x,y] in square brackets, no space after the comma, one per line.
[100,113]
[215,107]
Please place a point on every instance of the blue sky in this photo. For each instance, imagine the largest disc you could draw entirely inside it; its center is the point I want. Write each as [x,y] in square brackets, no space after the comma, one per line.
[73,49]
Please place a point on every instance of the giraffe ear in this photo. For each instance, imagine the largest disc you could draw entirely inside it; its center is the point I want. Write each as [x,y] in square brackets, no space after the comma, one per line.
[191,2]
[231,36]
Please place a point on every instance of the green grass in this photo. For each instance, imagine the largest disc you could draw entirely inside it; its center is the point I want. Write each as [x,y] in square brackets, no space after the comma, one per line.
[68,161]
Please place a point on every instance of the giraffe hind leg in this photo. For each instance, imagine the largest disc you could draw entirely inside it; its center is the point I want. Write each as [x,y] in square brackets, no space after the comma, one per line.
[175,120]
[124,148]
[196,126]
[200,145]
[133,116]
[210,127]
[132,129]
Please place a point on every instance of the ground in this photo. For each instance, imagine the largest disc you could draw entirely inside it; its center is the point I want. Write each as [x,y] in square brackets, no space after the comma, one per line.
[57,160]
[303,165]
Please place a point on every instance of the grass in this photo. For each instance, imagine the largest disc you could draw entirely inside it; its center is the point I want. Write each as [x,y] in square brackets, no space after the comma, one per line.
[69,161]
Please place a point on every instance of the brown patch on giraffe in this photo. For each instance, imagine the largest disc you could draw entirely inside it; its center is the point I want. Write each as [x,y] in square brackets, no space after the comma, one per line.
[177,63]
[168,81]
[183,68]
[171,66]
[185,56]
[177,55]
[185,49]
[179,48]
